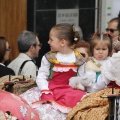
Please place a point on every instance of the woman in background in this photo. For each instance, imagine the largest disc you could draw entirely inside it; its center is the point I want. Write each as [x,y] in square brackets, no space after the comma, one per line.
[4,55]
[84,48]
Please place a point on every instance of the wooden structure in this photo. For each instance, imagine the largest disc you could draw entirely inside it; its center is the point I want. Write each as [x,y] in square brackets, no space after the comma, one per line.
[13,20]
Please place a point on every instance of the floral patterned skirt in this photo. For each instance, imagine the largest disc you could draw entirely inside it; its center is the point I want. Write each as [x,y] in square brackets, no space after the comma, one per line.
[45,111]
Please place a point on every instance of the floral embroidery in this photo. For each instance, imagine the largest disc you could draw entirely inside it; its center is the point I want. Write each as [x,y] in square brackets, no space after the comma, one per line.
[45,111]
[32,115]
[51,57]
[23,110]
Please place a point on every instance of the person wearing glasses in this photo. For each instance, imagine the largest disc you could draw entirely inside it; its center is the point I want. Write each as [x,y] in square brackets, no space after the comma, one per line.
[4,55]
[29,46]
[114,30]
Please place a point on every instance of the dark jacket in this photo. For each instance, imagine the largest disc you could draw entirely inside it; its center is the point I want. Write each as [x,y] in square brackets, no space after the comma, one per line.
[5,71]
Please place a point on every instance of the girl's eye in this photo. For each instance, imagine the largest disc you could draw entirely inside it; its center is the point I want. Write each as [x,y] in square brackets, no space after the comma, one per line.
[97,48]
[104,49]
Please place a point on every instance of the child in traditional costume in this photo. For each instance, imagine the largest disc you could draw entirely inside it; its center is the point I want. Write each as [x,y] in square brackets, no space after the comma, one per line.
[57,67]
[95,106]
[89,72]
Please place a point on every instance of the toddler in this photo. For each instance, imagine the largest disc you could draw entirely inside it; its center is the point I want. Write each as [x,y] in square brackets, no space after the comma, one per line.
[89,72]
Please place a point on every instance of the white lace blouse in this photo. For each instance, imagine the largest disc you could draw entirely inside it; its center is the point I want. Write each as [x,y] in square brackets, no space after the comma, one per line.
[110,72]
[43,73]
[90,73]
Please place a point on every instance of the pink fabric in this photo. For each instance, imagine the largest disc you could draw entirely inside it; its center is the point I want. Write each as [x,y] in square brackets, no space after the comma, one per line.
[47,97]
[17,106]
[63,94]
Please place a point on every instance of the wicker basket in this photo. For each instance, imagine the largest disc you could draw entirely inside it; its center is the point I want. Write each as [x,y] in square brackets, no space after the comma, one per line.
[20,88]
[16,84]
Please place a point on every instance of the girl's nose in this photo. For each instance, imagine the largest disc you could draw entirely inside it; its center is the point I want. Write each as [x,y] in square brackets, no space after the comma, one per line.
[100,51]
[48,41]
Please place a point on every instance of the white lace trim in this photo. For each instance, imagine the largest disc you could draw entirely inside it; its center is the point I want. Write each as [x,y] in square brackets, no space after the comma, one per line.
[66,58]
[55,105]
[64,69]
[61,108]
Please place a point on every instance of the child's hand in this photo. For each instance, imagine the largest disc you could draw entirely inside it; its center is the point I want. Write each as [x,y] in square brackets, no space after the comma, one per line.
[73,82]
[79,82]
[46,98]
[76,87]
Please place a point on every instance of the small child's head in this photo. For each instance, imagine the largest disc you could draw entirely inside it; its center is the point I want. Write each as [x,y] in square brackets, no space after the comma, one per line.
[101,46]
[63,36]
[84,48]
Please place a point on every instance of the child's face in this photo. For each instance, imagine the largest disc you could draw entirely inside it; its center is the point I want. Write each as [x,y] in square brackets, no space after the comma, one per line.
[54,42]
[83,50]
[100,51]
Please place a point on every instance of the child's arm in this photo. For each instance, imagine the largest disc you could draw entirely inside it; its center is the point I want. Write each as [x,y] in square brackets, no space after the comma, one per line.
[101,84]
[43,74]
[81,70]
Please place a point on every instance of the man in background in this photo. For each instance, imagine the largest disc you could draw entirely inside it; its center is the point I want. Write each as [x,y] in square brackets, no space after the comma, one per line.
[29,46]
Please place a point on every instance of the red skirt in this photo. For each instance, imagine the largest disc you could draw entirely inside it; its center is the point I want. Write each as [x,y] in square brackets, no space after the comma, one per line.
[62,93]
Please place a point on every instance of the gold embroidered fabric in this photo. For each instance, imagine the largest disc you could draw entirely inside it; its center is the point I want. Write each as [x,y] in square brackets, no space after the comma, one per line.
[51,56]
[92,107]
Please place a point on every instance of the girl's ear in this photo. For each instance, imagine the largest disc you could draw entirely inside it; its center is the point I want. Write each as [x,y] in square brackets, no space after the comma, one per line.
[63,42]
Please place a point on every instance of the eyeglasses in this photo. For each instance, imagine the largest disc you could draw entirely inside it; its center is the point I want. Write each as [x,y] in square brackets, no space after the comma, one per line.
[40,45]
[8,49]
[111,30]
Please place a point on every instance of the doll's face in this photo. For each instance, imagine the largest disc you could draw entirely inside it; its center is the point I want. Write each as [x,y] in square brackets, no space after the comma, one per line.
[84,52]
